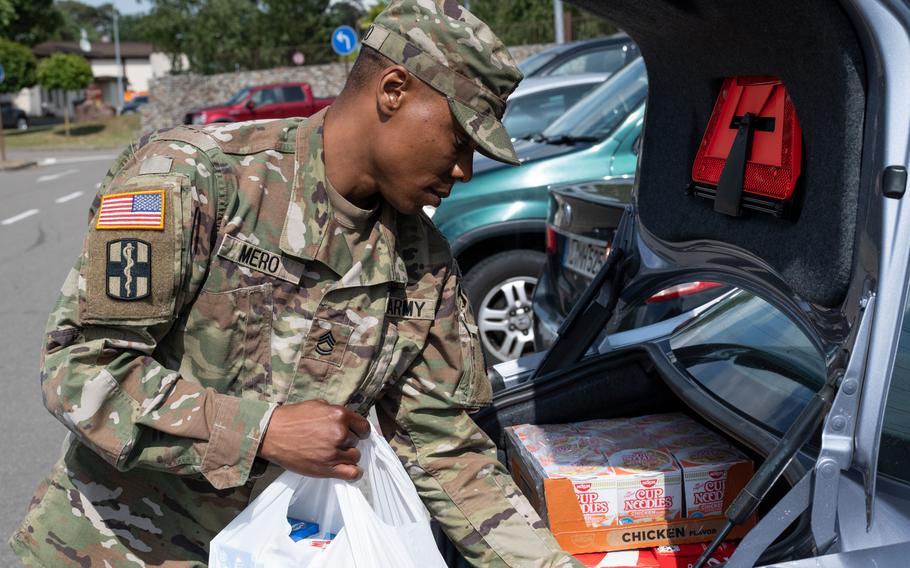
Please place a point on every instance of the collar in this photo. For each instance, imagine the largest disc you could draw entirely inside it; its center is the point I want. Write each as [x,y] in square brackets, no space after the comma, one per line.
[311,232]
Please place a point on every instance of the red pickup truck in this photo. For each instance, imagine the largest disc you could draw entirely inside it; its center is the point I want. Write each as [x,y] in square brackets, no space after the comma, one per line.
[275,100]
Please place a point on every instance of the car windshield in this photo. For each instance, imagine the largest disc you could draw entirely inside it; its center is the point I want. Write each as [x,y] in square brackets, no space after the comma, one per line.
[596,116]
[753,357]
[238,96]
[532,113]
[530,65]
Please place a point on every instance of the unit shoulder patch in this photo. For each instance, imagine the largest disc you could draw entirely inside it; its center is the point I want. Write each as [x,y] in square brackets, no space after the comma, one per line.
[129,269]
[132,210]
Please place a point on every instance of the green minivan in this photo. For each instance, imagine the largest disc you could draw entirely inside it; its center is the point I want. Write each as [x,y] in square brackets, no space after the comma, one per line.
[496,223]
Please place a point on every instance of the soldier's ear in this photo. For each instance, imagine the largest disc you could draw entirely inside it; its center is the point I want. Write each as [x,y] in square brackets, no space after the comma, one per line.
[391,89]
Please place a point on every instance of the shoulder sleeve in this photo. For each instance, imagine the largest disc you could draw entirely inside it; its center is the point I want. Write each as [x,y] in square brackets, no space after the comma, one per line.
[144,257]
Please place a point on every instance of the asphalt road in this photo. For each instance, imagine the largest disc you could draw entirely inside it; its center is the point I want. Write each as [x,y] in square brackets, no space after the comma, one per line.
[43,216]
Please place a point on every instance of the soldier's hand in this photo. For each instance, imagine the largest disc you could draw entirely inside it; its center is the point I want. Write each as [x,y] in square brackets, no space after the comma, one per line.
[315,438]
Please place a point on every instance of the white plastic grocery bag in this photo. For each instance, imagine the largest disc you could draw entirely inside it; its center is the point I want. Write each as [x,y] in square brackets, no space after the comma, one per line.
[379,521]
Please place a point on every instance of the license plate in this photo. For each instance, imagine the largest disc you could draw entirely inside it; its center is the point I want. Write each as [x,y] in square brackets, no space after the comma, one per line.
[584,256]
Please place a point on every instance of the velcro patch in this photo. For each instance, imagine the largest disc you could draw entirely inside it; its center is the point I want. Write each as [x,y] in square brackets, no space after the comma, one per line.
[260,259]
[133,210]
[129,269]
[327,341]
[145,290]
[401,306]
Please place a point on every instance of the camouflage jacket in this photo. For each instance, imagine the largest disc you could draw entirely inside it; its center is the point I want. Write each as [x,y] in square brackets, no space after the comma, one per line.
[170,346]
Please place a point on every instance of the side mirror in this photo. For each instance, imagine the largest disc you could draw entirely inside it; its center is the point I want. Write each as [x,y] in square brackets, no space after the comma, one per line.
[250,104]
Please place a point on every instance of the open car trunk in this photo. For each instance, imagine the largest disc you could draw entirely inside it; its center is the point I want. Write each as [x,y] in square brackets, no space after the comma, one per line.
[639,381]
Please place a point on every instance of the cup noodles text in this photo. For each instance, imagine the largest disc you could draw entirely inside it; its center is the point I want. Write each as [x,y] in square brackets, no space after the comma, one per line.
[705,473]
[596,497]
[648,485]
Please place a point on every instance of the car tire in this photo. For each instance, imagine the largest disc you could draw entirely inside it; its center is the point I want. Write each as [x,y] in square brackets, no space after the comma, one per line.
[500,289]
[21,123]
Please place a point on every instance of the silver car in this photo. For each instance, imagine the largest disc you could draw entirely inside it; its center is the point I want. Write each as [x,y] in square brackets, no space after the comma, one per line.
[538,101]
[805,362]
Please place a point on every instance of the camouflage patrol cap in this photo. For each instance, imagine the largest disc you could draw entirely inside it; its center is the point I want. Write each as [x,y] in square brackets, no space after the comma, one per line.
[454,52]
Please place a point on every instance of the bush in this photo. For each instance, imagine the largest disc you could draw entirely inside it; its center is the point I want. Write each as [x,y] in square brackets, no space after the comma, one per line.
[64,71]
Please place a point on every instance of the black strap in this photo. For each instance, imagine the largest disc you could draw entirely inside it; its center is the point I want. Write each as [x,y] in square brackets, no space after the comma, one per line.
[730,187]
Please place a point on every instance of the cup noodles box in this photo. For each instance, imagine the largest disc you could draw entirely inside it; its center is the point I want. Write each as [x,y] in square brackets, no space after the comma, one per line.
[686,555]
[607,485]
[705,471]
[667,556]
[648,486]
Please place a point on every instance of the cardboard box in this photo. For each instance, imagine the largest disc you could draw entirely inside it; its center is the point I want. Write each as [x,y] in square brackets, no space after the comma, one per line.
[705,471]
[596,498]
[619,559]
[686,555]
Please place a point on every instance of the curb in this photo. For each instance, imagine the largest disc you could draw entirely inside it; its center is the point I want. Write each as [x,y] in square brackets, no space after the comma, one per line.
[12,165]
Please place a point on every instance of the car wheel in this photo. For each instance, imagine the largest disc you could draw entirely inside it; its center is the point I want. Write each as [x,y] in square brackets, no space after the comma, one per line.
[21,123]
[500,289]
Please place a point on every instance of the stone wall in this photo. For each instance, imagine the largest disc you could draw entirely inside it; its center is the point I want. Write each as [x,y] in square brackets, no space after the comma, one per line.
[172,96]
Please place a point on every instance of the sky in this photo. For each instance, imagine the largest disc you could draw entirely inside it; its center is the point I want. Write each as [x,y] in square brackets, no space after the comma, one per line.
[124,6]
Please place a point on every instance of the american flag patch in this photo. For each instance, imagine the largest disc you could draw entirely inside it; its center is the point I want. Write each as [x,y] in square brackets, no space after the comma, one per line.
[135,210]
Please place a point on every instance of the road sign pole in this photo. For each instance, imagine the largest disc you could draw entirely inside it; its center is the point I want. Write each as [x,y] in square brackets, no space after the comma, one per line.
[2,144]
[2,139]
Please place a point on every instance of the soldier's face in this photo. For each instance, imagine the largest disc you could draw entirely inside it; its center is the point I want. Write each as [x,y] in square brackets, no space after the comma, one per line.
[424,151]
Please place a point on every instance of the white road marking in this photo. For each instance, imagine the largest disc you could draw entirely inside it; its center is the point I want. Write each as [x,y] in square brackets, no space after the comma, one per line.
[76,159]
[52,177]
[68,197]
[19,217]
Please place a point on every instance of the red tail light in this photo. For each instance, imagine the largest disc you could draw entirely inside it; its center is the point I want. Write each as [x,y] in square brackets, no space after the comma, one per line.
[680,291]
[551,241]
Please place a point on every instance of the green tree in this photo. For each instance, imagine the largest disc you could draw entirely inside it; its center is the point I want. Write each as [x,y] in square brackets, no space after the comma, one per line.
[19,64]
[65,72]
[168,25]
[97,21]
[519,22]
[367,20]
[6,12]
[31,22]
[228,35]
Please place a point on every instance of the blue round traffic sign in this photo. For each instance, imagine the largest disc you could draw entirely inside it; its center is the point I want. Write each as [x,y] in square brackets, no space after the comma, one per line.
[344,40]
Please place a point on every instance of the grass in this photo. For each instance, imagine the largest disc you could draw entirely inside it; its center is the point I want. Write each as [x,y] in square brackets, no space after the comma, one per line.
[113,133]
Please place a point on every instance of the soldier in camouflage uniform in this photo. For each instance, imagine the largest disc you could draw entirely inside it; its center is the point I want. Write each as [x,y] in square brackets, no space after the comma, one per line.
[207,320]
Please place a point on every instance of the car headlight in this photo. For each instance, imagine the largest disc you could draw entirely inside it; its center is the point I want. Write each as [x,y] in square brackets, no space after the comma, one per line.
[199,118]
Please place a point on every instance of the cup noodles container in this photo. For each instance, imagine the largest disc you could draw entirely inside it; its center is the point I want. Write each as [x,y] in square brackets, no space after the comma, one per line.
[706,475]
[596,495]
[648,486]
[686,555]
